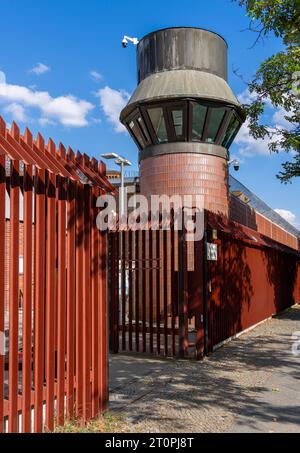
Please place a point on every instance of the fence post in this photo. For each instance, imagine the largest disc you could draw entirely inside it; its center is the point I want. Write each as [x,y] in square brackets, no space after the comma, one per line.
[27,306]
[181,291]
[14,296]
[95,263]
[205,294]
[173,283]
[2,285]
[71,292]
[39,304]
[79,298]
[130,284]
[138,254]
[158,289]
[61,309]
[86,305]
[50,293]
[123,285]
[104,327]
[152,283]
[114,292]
[200,316]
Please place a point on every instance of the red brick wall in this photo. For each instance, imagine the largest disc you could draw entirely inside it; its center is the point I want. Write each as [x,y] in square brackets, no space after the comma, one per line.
[242,213]
[245,215]
[187,174]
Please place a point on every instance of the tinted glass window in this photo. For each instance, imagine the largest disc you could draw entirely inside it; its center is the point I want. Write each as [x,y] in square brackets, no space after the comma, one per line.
[216,118]
[231,132]
[158,122]
[236,130]
[199,115]
[137,133]
[177,117]
[143,129]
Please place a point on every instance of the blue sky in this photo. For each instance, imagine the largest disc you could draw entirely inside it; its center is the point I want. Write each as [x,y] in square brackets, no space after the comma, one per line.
[64,72]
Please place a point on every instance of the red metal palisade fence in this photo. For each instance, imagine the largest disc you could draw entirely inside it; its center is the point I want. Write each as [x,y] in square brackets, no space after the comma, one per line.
[53,363]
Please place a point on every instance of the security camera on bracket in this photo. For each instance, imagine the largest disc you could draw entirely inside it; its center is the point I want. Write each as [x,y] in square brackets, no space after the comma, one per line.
[127,39]
[235,163]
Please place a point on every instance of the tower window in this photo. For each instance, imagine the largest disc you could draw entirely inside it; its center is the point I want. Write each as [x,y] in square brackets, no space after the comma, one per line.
[177,116]
[231,132]
[215,120]
[157,118]
[182,121]
[143,129]
[177,121]
[137,133]
[199,115]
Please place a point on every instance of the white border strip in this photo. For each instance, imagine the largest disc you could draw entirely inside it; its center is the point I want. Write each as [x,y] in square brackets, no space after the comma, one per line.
[223,343]
[237,335]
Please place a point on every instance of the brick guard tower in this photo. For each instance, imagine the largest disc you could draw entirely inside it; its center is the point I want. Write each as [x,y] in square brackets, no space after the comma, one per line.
[183,115]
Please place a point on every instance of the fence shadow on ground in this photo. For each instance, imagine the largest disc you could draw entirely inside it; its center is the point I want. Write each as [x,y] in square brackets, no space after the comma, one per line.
[180,395]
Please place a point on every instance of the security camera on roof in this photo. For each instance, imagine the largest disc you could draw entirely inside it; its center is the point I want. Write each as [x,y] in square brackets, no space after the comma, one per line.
[127,39]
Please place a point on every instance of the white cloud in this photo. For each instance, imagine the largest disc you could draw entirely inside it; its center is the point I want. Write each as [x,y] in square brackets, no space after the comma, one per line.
[40,69]
[288,216]
[279,121]
[96,76]
[112,102]
[246,98]
[2,78]
[45,122]
[96,120]
[17,111]
[68,110]
[248,146]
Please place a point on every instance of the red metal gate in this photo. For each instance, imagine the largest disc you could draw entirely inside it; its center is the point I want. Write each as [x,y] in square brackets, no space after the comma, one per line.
[154,307]
[53,363]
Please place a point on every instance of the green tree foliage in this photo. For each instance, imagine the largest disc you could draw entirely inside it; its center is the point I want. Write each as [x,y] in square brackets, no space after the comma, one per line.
[278,79]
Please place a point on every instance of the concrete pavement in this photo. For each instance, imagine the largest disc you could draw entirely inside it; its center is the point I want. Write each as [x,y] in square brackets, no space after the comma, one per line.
[250,385]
